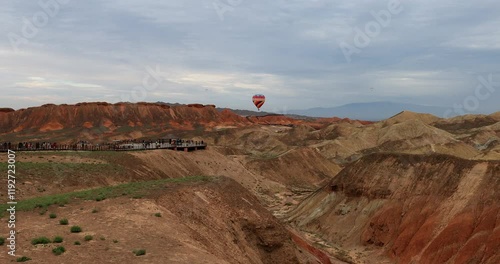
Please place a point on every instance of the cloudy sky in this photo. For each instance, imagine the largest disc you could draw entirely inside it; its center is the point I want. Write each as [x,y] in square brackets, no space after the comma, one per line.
[300,54]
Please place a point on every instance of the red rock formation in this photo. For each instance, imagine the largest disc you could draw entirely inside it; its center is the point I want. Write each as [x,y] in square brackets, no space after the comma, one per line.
[6,110]
[196,105]
[53,117]
[418,209]
[120,118]
[320,255]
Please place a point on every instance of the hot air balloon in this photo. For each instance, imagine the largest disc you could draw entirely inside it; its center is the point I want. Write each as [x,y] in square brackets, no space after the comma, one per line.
[259,100]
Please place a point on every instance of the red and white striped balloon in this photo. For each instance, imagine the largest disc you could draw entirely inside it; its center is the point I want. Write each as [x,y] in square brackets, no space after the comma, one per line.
[259,100]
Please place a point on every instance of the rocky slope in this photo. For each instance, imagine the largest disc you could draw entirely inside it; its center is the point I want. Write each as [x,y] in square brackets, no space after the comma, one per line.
[416,209]
[199,222]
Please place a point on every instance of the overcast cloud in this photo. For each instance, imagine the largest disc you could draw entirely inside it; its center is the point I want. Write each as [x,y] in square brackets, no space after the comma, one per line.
[430,53]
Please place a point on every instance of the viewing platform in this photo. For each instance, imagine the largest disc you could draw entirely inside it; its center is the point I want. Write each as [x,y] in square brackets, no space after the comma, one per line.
[128,146]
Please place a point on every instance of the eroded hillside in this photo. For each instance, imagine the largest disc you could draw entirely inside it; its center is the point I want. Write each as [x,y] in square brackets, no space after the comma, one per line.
[199,220]
[417,209]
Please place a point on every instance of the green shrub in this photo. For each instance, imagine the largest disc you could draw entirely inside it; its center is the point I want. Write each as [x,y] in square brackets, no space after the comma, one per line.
[88,237]
[102,238]
[57,239]
[77,243]
[22,259]
[52,215]
[158,215]
[76,229]
[2,241]
[100,198]
[40,240]
[139,252]
[58,250]
[95,210]
[115,241]
[63,221]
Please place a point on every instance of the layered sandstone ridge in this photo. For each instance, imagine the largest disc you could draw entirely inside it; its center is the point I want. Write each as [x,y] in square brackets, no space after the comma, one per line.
[417,209]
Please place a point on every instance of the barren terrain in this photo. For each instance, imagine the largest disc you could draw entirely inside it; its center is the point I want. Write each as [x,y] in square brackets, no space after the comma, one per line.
[414,188]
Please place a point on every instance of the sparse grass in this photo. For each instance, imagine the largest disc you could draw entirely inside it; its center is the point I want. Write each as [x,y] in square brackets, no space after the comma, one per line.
[52,215]
[265,156]
[75,229]
[40,240]
[22,259]
[88,238]
[158,214]
[57,239]
[77,243]
[58,250]
[63,221]
[134,189]
[139,252]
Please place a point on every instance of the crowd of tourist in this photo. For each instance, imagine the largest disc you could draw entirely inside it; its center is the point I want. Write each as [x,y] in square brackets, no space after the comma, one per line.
[115,145]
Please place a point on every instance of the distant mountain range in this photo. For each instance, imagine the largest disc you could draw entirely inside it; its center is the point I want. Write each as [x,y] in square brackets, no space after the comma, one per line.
[373,111]
[263,113]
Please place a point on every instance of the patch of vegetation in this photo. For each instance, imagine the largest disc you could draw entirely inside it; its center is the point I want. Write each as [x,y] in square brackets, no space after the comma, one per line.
[265,156]
[40,240]
[52,215]
[102,238]
[139,252]
[57,239]
[22,259]
[58,250]
[115,241]
[100,198]
[158,214]
[134,189]
[88,238]
[2,241]
[75,229]
[63,221]
[95,210]
[44,169]
[77,243]
[124,129]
